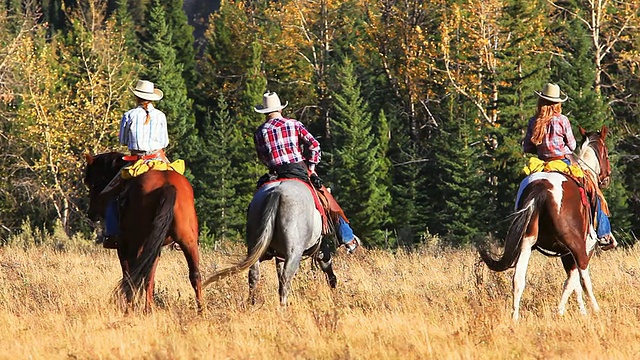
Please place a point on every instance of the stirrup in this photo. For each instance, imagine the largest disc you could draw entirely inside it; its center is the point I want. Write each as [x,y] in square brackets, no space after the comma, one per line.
[608,242]
[352,245]
[110,242]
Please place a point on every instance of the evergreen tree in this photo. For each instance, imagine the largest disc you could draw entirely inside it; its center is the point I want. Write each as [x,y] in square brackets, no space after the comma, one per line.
[408,208]
[216,175]
[125,24]
[182,41]
[358,180]
[459,201]
[161,68]
[253,89]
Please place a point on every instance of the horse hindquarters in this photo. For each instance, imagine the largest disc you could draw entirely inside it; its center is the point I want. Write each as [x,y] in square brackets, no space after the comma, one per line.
[520,239]
[142,269]
[512,245]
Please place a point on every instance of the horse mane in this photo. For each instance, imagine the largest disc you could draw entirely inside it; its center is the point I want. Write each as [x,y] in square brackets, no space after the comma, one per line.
[588,157]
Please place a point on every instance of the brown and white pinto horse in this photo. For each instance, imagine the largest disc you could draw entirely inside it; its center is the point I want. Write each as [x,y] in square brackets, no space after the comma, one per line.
[552,218]
[159,210]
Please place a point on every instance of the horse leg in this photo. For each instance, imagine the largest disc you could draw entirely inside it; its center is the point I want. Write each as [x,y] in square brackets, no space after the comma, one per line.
[582,263]
[150,285]
[324,259]
[192,255]
[588,287]
[285,276]
[571,284]
[519,277]
[125,265]
[254,277]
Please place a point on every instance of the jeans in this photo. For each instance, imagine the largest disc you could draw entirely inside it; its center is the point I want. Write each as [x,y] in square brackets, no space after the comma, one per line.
[112,218]
[344,231]
[604,226]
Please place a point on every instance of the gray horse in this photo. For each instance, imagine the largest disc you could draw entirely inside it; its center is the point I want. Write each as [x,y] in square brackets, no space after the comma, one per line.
[282,222]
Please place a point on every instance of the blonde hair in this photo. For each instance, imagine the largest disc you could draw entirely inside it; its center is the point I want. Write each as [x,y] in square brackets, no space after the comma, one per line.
[145,105]
[546,110]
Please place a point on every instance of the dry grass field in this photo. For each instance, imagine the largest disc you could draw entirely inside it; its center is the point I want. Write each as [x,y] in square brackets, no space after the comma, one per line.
[55,303]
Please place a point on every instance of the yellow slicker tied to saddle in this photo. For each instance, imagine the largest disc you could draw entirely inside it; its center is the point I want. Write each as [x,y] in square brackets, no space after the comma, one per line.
[142,166]
[537,165]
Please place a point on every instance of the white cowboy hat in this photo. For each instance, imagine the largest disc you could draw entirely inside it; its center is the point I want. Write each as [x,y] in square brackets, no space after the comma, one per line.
[145,90]
[270,103]
[552,93]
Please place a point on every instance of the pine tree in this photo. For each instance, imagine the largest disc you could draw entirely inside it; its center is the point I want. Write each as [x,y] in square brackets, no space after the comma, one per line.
[159,56]
[409,200]
[220,207]
[182,41]
[460,198]
[125,24]
[358,179]
[248,120]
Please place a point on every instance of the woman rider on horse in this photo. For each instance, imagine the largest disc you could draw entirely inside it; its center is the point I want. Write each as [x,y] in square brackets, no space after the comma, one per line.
[549,136]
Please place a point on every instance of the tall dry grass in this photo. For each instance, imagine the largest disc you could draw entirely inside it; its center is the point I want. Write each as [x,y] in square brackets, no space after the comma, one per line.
[55,303]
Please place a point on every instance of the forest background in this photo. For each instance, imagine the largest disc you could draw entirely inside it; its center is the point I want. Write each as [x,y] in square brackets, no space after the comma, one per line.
[420,106]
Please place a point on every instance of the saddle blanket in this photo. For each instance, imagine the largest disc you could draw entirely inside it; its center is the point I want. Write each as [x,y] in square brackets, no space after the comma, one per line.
[314,194]
[536,165]
[142,166]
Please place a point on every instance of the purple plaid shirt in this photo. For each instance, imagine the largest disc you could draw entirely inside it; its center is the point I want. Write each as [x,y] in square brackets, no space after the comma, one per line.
[279,141]
[557,141]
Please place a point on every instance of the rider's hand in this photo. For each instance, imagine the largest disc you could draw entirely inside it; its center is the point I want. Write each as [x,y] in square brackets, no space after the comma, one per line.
[315,180]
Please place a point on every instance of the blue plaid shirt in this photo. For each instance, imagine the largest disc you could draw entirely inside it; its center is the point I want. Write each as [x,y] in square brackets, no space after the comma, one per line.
[140,137]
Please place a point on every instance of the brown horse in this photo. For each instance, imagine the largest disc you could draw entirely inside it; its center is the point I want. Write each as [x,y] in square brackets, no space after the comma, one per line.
[158,210]
[552,217]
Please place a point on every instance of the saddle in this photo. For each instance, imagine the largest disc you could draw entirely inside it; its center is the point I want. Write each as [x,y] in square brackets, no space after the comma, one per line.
[589,190]
[319,198]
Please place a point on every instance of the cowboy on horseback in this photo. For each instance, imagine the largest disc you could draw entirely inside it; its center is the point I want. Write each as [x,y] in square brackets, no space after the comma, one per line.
[143,130]
[550,137]
[279,144]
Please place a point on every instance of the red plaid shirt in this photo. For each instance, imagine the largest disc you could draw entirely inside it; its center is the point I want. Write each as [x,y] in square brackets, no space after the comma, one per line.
[558,139]
[279,141]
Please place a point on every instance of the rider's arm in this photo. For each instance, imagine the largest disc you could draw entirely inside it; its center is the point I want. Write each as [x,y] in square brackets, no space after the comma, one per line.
[313,146]
[258,141]
[569,139]
[527,145]
[123,137]
[162,124]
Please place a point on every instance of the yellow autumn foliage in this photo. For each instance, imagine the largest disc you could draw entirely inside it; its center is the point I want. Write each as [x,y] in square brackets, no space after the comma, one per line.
[71,101]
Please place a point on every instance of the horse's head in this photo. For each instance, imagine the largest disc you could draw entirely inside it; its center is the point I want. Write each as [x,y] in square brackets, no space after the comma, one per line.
[599,163]
[99,171]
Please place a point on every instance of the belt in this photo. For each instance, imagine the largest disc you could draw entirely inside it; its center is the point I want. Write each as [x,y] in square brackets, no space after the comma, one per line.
[159,154]
[562,157]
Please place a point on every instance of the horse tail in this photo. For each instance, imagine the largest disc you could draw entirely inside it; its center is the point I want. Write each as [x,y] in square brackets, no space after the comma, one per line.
[265,232]
[517,229]
[160,224]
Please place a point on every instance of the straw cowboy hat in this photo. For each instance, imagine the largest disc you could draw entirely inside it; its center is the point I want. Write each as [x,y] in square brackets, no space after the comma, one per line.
[552,93]
[270,103]
[145,90]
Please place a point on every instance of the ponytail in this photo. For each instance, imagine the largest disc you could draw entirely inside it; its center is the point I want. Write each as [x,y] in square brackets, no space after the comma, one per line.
[145,105]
